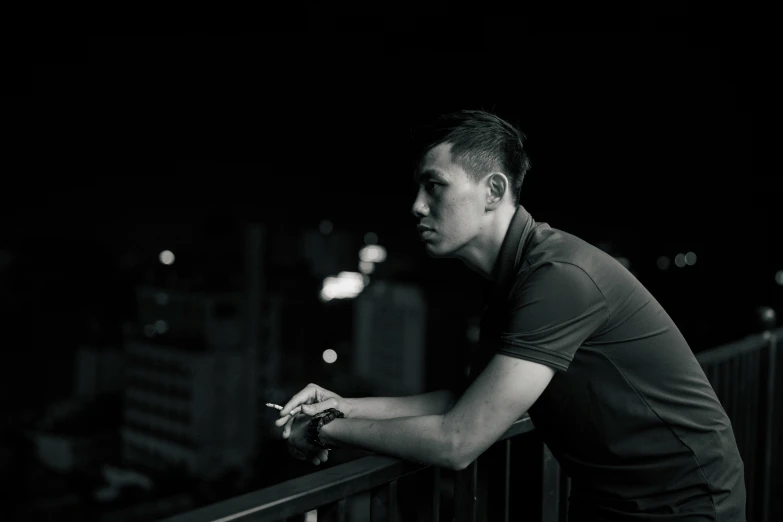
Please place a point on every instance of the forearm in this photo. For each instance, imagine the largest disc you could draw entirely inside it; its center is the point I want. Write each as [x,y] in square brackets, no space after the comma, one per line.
[380,408]
[418,439]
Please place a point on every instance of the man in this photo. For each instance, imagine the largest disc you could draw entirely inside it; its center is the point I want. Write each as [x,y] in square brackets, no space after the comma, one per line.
[569,336]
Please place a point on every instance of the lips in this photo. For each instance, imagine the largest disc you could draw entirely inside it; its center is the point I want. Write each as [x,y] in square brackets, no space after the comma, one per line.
[425,231]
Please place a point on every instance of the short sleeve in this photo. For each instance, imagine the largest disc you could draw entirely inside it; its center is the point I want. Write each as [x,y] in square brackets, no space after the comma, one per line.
[552,311]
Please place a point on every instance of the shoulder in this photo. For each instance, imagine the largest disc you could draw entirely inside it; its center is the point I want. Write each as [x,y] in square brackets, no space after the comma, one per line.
[551,244]
[553,254]
[556,285]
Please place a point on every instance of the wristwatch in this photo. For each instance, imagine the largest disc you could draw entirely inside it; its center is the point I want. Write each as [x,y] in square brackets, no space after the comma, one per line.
[313,435]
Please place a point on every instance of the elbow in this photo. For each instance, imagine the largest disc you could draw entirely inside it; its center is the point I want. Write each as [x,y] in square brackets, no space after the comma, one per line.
[457,458]
[459,465]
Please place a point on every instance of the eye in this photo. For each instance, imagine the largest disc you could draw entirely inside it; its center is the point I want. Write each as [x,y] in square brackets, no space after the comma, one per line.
[430,186]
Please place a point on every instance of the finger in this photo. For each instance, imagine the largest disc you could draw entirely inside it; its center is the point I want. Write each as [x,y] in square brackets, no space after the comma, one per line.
[282,421]
[316,461]
[287,428]
[318,407]
[307,394]
[323,455]
[296,453]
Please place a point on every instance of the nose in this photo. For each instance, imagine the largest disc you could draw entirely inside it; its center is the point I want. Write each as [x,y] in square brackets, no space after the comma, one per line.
[420,208]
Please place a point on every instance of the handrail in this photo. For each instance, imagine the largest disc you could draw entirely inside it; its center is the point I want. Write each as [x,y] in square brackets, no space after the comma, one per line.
[319,488]
[747,368]
[727,351]
[331,485]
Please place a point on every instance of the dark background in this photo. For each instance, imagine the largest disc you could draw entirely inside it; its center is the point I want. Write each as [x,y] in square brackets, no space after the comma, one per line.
[641,127]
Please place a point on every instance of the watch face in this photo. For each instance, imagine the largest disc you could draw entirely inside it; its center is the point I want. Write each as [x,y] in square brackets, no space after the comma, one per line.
[314,426]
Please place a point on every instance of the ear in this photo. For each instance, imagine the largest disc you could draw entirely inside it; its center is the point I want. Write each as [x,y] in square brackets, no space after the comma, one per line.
[497,186]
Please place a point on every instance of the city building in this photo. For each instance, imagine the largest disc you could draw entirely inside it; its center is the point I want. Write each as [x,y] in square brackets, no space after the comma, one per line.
[327,250]
[69,452]
[78,434]
[390,333]
[190,396]
[100,370]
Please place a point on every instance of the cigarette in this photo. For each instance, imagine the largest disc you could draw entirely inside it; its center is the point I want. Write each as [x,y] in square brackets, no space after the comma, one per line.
[278,407]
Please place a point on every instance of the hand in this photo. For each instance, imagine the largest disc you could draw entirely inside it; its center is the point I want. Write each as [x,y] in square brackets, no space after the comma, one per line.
[312,399]
[298,447]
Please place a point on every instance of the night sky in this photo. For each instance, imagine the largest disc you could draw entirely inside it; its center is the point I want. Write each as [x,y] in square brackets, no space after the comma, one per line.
[120,142]
[317,123]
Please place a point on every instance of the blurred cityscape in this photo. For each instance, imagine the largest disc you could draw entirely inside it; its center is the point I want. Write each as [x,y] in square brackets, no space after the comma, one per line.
[162,409]
[160,406]
[151,306]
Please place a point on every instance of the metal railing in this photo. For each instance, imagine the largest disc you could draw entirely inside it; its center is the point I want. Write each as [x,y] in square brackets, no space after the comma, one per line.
[330,489]
[743,374]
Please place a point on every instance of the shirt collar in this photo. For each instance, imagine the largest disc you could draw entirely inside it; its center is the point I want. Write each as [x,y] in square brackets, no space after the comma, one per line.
[511,250]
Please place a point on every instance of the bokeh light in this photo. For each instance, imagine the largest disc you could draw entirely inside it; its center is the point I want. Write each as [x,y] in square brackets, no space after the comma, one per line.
[330,356]
[166,257]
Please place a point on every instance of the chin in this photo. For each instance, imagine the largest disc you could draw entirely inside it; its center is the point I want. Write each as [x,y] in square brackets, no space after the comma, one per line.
[436,252]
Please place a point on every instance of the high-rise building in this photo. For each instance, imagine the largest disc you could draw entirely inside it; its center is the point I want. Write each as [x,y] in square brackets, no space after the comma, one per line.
[328,251]
[6,257]
[210,317]
[100,370]
[390,333]
[190,398]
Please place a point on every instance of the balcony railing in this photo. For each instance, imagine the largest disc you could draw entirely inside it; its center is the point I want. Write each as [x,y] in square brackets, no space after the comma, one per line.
[743,373]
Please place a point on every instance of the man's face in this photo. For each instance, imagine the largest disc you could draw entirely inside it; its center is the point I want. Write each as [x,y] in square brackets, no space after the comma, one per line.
[449,205]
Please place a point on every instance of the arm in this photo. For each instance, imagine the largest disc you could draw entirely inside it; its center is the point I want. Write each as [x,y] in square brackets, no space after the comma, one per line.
[554,312]
[379,408]
[417,439]
[313,399]
[428,406]
[504,391]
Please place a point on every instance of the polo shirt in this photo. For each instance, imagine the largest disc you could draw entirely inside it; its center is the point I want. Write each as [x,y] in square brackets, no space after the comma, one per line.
[629,415]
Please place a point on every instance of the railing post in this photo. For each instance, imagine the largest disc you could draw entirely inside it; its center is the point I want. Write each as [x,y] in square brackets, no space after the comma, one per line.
[465,493]
[769,422]
[550,487]
[435,493]
[364,489]
[507,481]
[334,512]
[565,495]
[753,427]
[383,503]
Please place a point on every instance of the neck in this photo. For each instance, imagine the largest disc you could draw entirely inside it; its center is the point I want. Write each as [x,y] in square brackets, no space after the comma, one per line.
[482,253]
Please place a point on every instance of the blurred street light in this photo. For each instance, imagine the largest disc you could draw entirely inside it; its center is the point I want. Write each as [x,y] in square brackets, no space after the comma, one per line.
[325,226]
[346,285]
[679,260]
[373,253]
[330,356]
[366,267]
[166,257]
[370,238]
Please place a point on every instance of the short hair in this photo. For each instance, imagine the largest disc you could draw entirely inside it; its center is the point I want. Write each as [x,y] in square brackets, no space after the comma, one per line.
[481,142]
